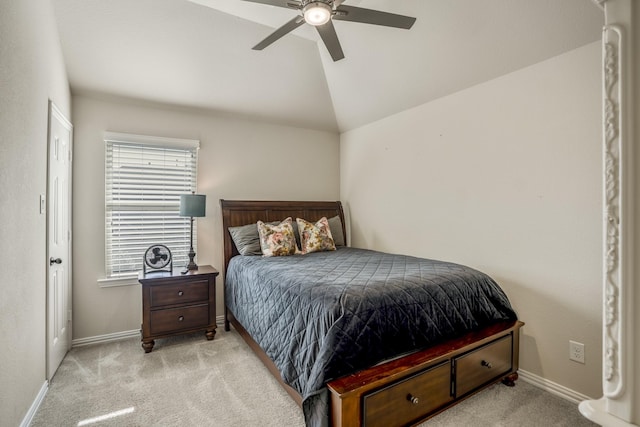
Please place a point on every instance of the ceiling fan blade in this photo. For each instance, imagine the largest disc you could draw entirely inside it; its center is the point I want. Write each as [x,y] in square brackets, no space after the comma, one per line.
[370,16]
[330,38]
[289,4]
[285,29]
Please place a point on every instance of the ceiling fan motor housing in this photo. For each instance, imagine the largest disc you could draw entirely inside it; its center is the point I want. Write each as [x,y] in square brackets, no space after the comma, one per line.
[317,12]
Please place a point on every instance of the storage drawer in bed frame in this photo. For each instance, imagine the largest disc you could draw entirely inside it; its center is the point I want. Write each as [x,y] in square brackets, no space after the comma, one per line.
[407,391]
[476,368]
[408,399]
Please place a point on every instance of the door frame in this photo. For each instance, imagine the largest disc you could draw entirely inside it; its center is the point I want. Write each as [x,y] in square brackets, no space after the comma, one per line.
[54,111]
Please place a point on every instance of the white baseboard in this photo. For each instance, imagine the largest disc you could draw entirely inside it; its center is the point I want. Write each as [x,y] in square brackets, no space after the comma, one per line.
[551,387]
[118,336]
[35,405]
[105,338]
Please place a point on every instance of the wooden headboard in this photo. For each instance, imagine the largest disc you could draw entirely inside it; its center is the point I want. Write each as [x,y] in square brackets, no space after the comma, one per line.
[242,212]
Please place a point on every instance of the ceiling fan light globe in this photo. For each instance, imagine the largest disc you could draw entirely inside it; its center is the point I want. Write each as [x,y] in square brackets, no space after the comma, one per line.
[317,13]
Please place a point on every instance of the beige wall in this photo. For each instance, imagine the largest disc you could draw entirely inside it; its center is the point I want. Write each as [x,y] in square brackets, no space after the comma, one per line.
[238,159]
[504,177]
[31,73]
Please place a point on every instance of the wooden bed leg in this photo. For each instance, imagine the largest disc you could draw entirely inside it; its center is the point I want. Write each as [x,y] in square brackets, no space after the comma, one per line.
[510,380]
[226,320]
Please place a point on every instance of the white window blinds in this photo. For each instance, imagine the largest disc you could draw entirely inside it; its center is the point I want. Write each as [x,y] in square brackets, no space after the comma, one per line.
[145,177]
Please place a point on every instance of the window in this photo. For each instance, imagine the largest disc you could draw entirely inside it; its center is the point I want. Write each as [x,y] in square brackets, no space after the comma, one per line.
[144,177]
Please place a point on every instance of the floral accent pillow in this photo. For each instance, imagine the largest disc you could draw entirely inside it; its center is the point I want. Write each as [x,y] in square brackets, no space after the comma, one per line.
[315,237]
[277,239]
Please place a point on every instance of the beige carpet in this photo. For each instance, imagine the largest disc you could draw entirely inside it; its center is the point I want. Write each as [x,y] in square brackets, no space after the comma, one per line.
[189,381]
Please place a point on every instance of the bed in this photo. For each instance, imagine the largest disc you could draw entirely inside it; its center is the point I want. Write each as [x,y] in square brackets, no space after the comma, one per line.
[352,349]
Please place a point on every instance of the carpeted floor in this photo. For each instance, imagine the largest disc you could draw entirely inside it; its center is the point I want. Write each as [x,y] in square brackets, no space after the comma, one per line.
[189,381]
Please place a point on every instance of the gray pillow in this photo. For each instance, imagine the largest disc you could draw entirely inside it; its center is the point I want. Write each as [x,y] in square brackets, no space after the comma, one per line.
[336,230]
[247,239]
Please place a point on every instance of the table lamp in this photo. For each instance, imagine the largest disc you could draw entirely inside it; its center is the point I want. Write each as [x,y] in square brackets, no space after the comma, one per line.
[192,205]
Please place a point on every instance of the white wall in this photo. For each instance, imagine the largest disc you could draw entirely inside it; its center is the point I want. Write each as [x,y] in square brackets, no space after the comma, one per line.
[31,73]
[238,159]
[504,177]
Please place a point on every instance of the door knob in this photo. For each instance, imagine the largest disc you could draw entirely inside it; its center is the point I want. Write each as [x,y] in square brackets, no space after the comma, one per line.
[53,260]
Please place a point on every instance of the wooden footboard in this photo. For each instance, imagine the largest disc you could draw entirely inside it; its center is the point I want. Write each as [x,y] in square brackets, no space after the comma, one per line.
[410,389]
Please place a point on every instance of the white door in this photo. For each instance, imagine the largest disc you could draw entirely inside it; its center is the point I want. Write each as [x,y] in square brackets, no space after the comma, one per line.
[58,240]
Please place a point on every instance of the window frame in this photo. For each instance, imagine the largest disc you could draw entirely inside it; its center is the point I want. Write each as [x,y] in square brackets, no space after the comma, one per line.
[169,201]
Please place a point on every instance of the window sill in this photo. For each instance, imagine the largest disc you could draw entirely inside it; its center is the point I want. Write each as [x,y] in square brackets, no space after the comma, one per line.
[112,282]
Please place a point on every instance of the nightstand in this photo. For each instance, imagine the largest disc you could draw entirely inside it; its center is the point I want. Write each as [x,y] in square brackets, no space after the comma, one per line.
[175,303]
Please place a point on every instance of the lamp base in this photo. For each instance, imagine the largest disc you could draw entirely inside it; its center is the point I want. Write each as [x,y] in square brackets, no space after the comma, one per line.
[192,265]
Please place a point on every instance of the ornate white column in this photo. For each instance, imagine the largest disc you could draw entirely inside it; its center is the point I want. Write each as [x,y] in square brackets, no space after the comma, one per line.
[620,404]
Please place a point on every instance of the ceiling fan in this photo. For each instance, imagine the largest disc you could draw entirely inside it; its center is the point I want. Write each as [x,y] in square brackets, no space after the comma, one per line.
[321,13]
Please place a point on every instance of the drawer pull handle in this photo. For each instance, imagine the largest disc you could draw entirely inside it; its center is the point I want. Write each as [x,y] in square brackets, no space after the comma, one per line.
[487,364]
[413,399]
[180,293]
[180,319]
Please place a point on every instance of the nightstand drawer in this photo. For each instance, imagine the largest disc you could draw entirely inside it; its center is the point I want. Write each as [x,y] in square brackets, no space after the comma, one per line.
[409,399]
[483,365]
[180,293]
[181,318]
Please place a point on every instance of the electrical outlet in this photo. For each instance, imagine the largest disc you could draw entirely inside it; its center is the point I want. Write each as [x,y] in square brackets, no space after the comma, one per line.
[576,351]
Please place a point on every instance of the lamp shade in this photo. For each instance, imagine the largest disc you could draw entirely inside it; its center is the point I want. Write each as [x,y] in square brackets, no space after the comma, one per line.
[192,205]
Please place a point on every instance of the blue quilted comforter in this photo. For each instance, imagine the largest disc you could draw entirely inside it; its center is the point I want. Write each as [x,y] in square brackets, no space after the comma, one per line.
[324,315]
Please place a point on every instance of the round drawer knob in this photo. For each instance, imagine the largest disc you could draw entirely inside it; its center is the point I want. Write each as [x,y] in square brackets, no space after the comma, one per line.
[413,399]
[180,293]
[488,365]
[180,319]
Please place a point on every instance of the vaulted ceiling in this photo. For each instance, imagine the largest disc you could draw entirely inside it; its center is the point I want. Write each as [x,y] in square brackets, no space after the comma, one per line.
[197,54]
